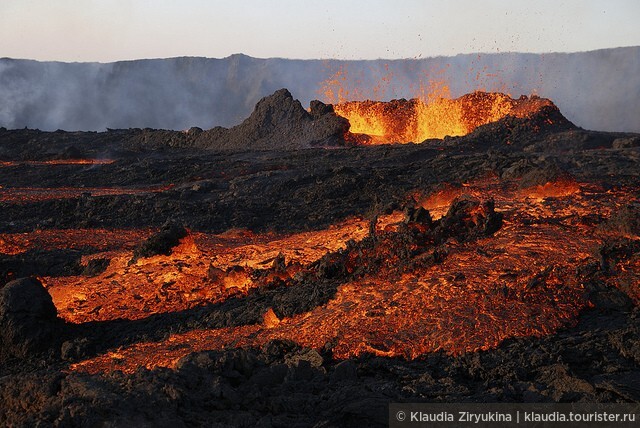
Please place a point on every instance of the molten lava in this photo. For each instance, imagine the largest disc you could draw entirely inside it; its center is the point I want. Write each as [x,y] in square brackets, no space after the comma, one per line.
[464,268]
[202,269]
[455,294]
[402,121]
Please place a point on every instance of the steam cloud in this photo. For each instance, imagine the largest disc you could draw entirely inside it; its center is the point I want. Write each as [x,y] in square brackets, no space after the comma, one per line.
[596,90]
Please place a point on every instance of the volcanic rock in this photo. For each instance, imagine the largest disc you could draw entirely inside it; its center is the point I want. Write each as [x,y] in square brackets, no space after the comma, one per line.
[417,215]
[529,132]
[468,218]
[28,318]
[57,262]
[71,152]
[626,220]
[96,266]
[319,109]
[161,243]
[625,385]
[74,349]
[624,143]
[194,130]
[310,356]
[344,371]
[516,169]
[612,251]
[540,175]
[280,122]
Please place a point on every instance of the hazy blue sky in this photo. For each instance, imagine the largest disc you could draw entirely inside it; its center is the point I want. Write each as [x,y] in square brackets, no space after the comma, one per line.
[108,30]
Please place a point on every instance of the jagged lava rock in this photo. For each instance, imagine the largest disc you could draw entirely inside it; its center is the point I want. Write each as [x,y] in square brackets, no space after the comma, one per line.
[280,122]
[161,243]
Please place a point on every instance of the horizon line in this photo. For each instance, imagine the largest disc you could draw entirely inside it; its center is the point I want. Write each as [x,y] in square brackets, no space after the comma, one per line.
[240,54]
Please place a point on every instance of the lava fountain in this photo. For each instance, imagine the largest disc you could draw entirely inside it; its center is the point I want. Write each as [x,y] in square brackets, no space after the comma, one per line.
[431,114]
[404,121]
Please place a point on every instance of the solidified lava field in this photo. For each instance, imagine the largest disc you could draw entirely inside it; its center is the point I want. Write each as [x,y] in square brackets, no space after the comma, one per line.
[294,271]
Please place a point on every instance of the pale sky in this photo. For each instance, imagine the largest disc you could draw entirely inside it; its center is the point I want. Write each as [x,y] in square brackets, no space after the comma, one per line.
[111,30]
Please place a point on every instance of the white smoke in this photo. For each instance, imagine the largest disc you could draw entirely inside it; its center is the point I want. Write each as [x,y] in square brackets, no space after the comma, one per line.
[596,90]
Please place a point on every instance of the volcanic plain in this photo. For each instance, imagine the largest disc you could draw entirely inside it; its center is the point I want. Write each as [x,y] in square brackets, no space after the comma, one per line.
[289,272]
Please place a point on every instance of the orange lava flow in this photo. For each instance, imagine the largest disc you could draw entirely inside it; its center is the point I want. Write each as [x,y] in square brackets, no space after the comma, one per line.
[402,121]
[183,279]
[520,282]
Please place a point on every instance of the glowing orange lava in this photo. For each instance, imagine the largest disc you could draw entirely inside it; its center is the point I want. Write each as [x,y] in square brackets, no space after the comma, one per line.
[415,120]
[202,269]
[520,282]
[431,113]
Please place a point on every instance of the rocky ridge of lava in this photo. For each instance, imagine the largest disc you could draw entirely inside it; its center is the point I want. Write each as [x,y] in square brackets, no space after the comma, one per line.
[270,175]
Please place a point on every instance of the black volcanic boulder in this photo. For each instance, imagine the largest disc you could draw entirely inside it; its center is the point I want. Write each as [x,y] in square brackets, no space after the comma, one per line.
[318,109]
[28,318]
[161,243]
[468,218]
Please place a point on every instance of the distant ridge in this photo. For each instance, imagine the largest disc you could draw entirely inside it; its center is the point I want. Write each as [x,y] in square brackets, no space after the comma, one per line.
[595,90]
